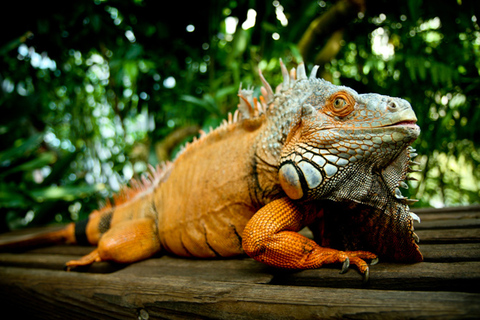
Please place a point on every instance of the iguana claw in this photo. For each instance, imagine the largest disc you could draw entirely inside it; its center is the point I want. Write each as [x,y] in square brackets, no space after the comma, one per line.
[365,273]
[366,276]
[346,265]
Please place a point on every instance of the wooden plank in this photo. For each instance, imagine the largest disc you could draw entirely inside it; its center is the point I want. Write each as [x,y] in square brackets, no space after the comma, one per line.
[450,252]
[53,262]
[227,270]
[449,236]
[461,276]
[449,213]
[80,295]
[446,285]
[474,208]
[236,269]
[425,276]
[448,224]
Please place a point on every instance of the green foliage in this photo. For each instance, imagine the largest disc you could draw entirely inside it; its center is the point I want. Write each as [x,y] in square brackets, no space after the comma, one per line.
[89,87]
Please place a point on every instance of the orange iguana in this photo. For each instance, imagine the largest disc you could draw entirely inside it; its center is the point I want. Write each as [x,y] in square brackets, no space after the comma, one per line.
[311,154]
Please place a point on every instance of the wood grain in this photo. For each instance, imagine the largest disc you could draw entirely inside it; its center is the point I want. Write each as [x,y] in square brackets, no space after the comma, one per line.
[78,295]
[33,283]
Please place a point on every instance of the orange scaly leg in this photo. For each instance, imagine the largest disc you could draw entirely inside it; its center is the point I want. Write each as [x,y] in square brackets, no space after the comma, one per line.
[272,237]
[126,242]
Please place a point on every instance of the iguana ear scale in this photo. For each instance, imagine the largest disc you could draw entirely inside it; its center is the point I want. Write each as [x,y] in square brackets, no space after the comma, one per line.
[290,181]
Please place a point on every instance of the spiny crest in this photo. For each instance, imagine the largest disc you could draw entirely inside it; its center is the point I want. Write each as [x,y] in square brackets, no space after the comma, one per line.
[150,179]
[250,106]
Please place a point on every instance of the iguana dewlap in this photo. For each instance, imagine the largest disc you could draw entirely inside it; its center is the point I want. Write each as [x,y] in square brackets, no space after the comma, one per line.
[311,154]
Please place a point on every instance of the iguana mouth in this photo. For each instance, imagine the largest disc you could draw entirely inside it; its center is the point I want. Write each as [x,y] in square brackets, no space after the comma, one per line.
[405,123]
[412,124]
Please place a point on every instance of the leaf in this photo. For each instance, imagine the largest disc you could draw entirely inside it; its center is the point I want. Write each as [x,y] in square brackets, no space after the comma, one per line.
[207,102]
[11,197]
[67,193]
[411,69]
[295,52]
[414,8]
[222,92]
[422,69]
[42,160]
[130,68]
[10,155]
[435,70]
[240,42]
[269,27]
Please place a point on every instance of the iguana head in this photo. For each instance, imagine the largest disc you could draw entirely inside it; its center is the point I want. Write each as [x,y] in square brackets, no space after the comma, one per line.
[337,144]
[336,135]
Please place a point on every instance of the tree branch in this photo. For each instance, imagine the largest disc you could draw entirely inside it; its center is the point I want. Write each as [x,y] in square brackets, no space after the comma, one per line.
[329,22]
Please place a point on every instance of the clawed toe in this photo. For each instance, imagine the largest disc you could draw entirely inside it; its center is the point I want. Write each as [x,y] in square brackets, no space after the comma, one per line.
[358,258]
[345,266]
[366,276]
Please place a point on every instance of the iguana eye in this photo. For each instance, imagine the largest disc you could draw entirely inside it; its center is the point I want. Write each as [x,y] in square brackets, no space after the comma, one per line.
[341,104]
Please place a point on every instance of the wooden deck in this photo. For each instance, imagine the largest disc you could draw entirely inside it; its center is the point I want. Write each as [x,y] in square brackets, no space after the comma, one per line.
[447,285]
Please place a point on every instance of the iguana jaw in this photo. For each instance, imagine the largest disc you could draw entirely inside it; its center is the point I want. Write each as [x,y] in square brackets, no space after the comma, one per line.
[405,117]
[319,169]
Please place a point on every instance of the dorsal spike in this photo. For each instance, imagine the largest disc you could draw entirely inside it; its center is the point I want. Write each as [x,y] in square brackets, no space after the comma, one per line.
[313,74]
[246,109]
[268,89]
[301,73]
[293,74]
[236,115]
[286,77]
[245,105]
[263,104]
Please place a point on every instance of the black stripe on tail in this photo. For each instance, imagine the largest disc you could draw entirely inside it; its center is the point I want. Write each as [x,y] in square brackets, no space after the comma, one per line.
[80,232]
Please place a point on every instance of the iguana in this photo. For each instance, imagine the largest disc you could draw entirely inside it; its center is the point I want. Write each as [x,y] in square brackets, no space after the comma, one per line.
[311,154]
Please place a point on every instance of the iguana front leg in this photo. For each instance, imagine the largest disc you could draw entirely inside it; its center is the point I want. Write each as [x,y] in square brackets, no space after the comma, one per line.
[272,237]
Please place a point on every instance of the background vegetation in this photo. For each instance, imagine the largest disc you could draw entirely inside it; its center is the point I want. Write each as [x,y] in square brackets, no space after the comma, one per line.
[93,90]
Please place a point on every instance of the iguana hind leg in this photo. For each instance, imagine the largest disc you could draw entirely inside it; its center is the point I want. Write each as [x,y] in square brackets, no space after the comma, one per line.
[126,242]
[272,237]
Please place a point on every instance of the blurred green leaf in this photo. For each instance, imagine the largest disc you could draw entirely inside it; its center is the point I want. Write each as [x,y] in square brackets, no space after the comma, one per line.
[11,197]
[21,149]
[207,102]
[226,91]
[67,193]
[42,160]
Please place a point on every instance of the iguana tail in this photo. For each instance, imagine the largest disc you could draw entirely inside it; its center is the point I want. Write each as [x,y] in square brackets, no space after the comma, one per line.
[133,205]
[64,235]
[85,232]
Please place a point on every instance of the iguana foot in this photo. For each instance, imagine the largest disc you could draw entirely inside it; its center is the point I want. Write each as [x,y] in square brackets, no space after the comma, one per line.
[272,237]
[83,261]
[127,242]
[358,258]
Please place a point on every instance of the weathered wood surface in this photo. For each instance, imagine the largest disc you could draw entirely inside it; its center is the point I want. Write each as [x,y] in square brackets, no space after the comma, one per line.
[446,285]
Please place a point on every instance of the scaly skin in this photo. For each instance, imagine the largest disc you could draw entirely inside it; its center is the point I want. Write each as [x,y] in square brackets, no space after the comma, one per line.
[312,154]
